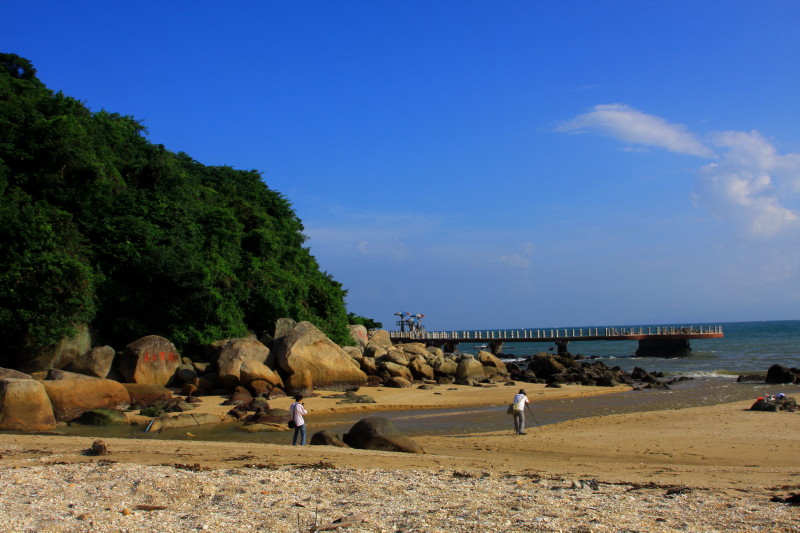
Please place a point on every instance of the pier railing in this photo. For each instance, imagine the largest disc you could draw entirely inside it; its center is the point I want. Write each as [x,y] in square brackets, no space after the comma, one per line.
[533,335]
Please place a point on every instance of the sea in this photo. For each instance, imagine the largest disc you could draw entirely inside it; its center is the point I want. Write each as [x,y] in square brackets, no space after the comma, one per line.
[747,348]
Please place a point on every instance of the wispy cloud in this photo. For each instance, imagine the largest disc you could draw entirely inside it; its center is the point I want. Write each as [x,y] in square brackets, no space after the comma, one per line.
[749,183]
[627,124]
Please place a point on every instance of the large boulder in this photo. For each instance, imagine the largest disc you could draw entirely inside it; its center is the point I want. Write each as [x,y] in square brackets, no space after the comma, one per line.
[311,360]
[234,354]
[470,368]
[96,362]
[420,369]
[378,433]
[545,365]
[71,397]
[415,348]
[395,356]
[151,359]
[781,374]
[62,353]
[445,365]
[380,338]
[283,326]
[491,360]
[359,334]
[396,371]
[252,370]
[25,406]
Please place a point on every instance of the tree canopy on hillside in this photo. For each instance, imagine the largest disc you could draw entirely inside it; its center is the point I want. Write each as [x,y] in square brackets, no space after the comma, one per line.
[100,226]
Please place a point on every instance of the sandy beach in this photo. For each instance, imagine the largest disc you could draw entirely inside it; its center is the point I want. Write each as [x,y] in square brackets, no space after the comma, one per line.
[696,469]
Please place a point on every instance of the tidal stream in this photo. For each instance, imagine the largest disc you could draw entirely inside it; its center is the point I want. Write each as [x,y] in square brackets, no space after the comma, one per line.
[466,420]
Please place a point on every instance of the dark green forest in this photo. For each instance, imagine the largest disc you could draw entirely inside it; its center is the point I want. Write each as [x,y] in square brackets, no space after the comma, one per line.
[100,226]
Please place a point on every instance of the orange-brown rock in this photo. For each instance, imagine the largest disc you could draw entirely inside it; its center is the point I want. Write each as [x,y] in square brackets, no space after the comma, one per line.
[310,359]
[71,397]
[146,394]
[25,406]
[151,359]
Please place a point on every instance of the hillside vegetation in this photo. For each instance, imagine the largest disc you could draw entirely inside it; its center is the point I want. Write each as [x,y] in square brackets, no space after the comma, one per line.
[100,226]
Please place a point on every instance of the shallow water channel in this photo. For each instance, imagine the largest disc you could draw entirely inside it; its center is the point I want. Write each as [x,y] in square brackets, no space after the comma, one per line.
[465,420]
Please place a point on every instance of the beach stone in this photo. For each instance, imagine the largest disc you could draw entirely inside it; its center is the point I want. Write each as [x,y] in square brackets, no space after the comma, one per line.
[380,338]
[369,366]
[378,433]
[359,334]
[233,355]
[545,365]
[488,359]
[99,447]
[311,360]
[395,356]
[327,438]
[240,396]
[96,362]
[395,370]
[25,406]
[239,412]
[469,368]
[414,348]
[420,369]
[374,351]
[72,397]
[283,326]
[259,388]
[435,351]
[446,366]
[14,374]
[151,359]
[781,374]
[356,353]
[398,383]
[251,371]
[185,373]
[146,394]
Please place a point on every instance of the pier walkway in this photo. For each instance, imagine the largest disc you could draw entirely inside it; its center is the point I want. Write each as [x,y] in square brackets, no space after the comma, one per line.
[654,341]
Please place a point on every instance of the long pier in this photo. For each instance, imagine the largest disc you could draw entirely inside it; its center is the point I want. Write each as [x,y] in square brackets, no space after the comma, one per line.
[654,341]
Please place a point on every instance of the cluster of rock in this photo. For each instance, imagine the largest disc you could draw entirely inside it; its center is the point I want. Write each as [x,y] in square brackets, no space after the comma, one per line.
[776,374]
[559,369]
[298,358]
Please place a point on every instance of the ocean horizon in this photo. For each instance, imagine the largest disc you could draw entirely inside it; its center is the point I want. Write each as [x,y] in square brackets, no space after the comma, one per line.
[746,348]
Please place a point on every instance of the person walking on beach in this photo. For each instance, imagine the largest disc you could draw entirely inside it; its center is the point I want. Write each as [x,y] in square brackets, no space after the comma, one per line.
[519,402]
[297,410]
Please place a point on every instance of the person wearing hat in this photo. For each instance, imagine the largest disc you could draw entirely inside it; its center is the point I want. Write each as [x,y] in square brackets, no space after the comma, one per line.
[519,403]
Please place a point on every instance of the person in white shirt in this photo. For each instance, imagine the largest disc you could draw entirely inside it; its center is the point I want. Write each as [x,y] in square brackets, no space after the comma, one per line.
[519,402]
[297,410]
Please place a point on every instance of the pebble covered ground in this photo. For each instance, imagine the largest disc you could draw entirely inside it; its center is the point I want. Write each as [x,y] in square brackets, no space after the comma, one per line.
[104,496]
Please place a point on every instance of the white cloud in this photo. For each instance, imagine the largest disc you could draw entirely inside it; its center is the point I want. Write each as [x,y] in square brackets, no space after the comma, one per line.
[630,125]
[749,184]
[752,184]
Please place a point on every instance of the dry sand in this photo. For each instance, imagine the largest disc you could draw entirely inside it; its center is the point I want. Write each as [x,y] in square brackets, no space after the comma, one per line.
[738,457]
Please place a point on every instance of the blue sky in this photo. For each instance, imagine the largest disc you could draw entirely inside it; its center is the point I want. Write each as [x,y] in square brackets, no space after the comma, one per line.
[489,164]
